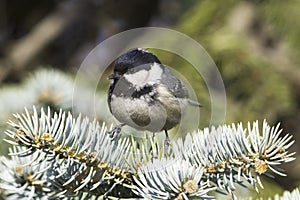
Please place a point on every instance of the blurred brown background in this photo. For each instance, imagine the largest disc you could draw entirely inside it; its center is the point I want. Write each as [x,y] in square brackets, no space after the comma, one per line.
[255,44]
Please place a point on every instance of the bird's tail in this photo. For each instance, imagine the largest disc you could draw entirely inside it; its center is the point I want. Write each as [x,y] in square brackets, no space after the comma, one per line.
[194,103]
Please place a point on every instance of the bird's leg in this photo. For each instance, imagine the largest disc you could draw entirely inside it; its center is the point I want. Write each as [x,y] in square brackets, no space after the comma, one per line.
[153,156]
[167,143]
[115,131]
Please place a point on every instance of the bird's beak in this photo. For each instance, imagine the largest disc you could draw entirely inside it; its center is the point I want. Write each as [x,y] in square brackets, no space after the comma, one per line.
[114,76]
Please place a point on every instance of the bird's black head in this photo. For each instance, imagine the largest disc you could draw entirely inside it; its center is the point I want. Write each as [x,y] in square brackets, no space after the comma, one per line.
[134,58]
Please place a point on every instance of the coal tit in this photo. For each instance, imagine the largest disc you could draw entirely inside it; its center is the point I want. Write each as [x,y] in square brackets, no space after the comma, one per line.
[145,95]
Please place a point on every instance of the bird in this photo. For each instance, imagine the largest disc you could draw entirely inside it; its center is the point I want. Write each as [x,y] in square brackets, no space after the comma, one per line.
[145,95]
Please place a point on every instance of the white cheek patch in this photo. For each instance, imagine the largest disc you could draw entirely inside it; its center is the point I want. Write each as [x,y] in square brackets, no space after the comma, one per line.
[136,78]
[142,77]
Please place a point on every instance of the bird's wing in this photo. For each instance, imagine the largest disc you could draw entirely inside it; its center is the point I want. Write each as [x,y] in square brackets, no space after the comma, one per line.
[175,86]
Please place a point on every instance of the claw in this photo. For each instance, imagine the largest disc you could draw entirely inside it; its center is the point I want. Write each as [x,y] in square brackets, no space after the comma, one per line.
[115,131]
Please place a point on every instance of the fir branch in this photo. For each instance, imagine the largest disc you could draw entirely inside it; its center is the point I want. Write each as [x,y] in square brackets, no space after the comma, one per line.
[171,179]
[43,88]
[81,154]
[51,88]
[20,179]
[55,89]
[83,162]
[287,195]
[295,194]
[230,154]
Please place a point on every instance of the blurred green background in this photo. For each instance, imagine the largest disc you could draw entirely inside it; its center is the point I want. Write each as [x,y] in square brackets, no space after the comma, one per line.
[255,44]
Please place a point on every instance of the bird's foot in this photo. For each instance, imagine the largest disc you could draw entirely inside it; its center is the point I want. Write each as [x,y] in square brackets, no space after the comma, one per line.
[115,131]
[167,145]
